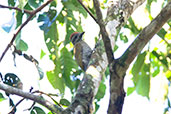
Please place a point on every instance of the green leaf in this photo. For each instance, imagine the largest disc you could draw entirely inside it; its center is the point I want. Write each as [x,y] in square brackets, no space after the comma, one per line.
[161,33]
[68,63]
[37,110]
[132,26]
[1,97]
[101,91]
[64,102]
[19,17]
[143,82]
[42,54]
[161,58]
[116,47]
[21,45]
[155,65]
[55,80]
[51,38]
[137,66]
[130,90]
[11,2]
[47,18]
[123,38]
[148,5]
[168,36]
[34,3]
[22,3]
[97,106]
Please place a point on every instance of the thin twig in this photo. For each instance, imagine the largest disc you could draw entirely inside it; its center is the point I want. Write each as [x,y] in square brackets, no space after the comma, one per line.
[13,108]
[30,17]
[88,11]
[16,8]
[49,95]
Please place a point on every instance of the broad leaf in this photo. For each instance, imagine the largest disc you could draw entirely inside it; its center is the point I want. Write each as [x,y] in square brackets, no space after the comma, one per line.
[22,3]
[68,63]
[19,17]
[37,110]
[137,66]
[101,91]
[143,82]
[34,3]
[130,90]
[21,45]
[11,2]
[64,102]
[56,80]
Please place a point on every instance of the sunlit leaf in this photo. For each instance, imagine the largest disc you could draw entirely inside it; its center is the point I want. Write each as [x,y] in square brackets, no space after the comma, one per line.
[168,36]
[161,58]
[1,97]
[69,63]
[143,82]
[42,54]
[137,66]
[55,80]
[22,3]
[130,90]
[131,25]
[101,91]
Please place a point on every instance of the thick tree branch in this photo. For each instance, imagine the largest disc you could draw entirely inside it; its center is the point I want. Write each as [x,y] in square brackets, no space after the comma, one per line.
[20,28]
[39,99]
[117,14]
[105,37]
[146,35]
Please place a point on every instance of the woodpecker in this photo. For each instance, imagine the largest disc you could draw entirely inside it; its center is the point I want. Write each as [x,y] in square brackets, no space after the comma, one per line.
[82,51]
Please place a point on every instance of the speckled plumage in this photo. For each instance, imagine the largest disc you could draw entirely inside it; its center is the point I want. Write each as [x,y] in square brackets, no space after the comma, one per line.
[82,51]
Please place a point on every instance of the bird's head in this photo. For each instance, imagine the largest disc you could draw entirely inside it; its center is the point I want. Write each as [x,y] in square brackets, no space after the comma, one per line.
[76,37]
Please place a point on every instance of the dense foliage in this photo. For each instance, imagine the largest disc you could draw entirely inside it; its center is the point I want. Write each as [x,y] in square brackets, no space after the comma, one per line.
[60,19]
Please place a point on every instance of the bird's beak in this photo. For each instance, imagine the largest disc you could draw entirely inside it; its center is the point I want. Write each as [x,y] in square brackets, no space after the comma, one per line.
[81,34]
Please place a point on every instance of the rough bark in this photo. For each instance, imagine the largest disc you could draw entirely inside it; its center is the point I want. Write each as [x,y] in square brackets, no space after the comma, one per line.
[83,100]
[39,99]
[117,93]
